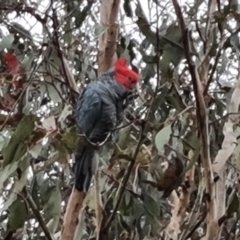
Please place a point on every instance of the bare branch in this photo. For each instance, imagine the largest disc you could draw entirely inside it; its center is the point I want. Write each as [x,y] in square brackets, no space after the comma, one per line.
[202,120]
[65,67]
[70,220]
[201,110]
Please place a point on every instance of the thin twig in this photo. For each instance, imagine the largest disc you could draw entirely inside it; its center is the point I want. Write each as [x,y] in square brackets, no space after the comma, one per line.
[137,196]
[199,32]
[202,121]
[23,8]
[37,214]
[223,117]
[120,184]
[100,144]
[159,36]
[122,189]
[197,225]
[181,155]
[213,71]
[221,45]
[71,83]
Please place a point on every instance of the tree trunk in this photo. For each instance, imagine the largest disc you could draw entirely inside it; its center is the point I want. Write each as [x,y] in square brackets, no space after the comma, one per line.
[107,42]
[106,58]
[70,220]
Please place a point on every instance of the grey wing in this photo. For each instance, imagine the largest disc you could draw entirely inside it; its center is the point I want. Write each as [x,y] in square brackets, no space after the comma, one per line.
[88,111]
[121,106]
[120,112]
[106,122]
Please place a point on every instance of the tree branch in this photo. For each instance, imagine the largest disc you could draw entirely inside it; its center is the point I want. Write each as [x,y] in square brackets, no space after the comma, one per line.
[202,120]
[122,189]
[107,47]
[70,220]
[65,67]
[220,47]
[107,41]
[100,144]
[200,103]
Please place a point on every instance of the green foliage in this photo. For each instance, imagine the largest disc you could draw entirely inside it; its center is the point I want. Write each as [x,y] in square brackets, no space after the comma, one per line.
[38,131]
[18,214]
[69,139]
[6,42]
[17,146]
[162,138]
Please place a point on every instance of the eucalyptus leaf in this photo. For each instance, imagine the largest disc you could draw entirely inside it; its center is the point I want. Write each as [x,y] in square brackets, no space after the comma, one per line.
[6,42]
[3,141]
[163,138]
[16,146]
[53,93]
[153,208]
[52,206]
[99,30]
[233,206]
[6,172]
[36,150]
[67,110]
[69,138]
[49,123]
[18,214]
[16,190]
[67,36]
[24,33]
[235,42]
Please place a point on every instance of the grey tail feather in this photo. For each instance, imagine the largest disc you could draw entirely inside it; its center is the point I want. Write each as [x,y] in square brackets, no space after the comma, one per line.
[83,168]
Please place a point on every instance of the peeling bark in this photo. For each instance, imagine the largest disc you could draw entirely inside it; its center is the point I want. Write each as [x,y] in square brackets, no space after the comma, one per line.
[107,41]
[70,220]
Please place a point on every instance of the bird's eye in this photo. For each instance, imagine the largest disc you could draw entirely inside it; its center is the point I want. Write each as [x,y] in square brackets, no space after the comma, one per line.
[129,78]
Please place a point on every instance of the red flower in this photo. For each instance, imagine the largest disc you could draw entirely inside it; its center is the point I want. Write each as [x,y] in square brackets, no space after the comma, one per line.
[12,63]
